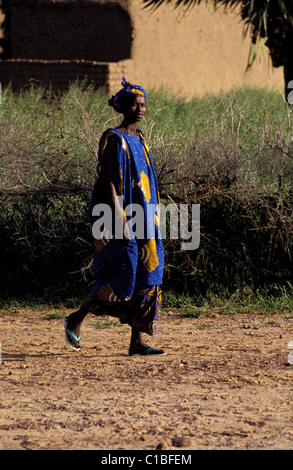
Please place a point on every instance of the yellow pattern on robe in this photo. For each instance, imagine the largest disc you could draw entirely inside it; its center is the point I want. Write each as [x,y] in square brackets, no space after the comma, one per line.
[157,220]
[160,297]
[124,146]
[105,141]
[106,294]
[149,255]
[151,293]
[144,185]
[120,182]
[152,327]
[157,216]
[145,149]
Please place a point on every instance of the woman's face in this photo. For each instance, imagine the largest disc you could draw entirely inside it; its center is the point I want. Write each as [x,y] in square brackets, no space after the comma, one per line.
[135,109]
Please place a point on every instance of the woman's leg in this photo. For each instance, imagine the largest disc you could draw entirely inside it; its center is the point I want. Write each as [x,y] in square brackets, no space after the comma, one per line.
[75,319]
[138,347]
[145,312]
[136,343]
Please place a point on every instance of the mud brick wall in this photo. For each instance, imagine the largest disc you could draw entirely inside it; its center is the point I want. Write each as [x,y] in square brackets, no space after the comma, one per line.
[55,42]
[21,73]
[70,29]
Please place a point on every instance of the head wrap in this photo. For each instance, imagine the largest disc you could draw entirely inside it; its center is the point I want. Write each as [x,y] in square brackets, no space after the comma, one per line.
[128,90]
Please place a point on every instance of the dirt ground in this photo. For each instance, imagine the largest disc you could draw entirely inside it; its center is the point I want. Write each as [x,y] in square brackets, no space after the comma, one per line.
[224,384]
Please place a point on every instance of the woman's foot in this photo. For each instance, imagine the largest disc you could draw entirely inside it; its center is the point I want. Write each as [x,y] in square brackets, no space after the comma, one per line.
[139,348]
[72,325]
[73,322]
[148,352]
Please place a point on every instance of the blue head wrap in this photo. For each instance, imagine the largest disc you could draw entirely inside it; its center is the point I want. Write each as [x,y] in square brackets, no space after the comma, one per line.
[128,90]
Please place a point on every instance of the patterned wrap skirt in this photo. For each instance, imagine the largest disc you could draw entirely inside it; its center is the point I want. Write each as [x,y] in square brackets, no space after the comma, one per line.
[142,311]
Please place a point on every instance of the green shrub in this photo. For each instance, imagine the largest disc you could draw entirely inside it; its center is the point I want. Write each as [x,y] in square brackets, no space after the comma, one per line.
[231,154]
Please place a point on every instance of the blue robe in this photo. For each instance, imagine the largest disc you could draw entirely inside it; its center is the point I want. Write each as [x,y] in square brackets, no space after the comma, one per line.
[121,269]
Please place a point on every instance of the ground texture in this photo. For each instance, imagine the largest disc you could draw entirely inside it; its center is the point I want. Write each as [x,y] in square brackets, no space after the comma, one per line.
[224,384]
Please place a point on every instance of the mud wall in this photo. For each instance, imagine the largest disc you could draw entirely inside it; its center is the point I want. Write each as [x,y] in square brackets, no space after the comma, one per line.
[22,73]
[199,52]
[195,53]
[52,30]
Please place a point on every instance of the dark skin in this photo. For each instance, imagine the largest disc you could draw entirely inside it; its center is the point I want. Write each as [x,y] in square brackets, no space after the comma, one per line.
[132,115]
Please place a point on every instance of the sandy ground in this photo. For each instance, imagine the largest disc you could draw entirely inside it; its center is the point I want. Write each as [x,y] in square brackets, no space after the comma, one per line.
[224,384]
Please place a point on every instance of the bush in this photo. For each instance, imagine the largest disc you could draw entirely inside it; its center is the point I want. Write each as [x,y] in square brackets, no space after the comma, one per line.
[222,152]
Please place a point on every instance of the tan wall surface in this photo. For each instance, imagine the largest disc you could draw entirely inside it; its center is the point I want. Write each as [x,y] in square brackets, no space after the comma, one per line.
[197,53]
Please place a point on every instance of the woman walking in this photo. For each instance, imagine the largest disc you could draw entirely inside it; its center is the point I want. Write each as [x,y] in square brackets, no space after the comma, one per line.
[129,256]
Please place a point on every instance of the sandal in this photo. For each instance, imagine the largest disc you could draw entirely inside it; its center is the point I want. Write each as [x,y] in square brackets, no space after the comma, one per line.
[69,333]
[150,352]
